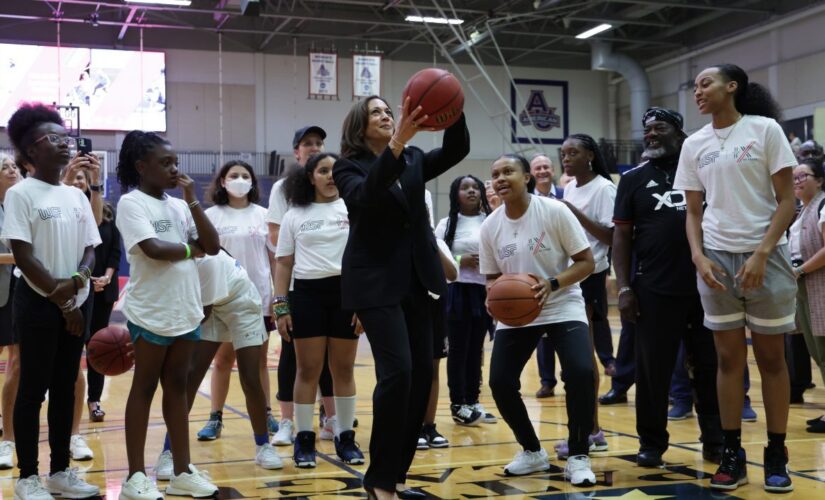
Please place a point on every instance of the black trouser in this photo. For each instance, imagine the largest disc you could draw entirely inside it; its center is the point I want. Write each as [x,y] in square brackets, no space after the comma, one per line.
[287,369]
[663,322]
[594,291]
[625,359]
[49,361]
[467,326]
[546,358]
[513,347]
[799,363]
[101,312]
[401,340]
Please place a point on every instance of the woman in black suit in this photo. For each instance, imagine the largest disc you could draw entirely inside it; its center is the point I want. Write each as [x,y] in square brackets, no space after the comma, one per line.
[105,279]
[390,264]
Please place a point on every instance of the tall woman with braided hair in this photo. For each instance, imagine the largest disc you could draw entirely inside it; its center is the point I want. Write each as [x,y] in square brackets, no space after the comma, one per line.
[161,235]
[467,318]
[737,173]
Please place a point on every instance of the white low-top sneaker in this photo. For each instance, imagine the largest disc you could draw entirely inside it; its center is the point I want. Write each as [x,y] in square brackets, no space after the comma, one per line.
[284,435]
[578,471]
[67,484]
[195,484]
[6,455]
[79,449]
[268,458]
[139,487]
[30,488]
[526,462]
[164,467]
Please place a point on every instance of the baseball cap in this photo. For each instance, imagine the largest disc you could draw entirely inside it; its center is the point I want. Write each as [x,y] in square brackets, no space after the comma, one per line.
[303,131]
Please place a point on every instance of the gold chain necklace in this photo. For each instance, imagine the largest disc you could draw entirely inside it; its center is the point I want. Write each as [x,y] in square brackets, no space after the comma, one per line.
[723,139]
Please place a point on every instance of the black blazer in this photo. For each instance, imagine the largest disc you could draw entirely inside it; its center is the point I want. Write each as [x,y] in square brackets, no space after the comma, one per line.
[390,235]
[107,254]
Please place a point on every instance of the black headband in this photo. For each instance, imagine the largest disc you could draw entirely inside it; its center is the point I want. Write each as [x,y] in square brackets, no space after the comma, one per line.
[665,115]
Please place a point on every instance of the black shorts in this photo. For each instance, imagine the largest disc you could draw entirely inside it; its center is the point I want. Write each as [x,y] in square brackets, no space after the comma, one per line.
[438,314]
[7,335]
[315,306]
[594,292]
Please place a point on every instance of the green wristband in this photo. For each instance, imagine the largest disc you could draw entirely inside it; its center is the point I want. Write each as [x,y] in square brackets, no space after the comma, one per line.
[188,250]
[281,309]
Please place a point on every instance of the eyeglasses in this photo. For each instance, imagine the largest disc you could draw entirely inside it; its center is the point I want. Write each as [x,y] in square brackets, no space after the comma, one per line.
[799,179]
[57,140]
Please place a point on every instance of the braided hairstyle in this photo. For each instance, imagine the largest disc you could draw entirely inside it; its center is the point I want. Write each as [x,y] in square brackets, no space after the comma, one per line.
[136,145]
[23,122]
[750,98]
[452,219]
[598,163]
[298,189]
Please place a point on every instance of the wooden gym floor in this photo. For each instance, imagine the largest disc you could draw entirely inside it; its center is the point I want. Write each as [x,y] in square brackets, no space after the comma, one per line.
[472,467]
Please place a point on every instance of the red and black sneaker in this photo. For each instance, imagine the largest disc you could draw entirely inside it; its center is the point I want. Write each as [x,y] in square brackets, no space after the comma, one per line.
[732,472]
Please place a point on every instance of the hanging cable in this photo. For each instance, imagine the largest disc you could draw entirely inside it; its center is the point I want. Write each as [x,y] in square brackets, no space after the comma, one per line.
[220,97]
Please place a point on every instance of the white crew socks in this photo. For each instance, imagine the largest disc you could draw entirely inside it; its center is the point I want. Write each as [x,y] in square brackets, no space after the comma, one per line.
[345,411]
[303,416]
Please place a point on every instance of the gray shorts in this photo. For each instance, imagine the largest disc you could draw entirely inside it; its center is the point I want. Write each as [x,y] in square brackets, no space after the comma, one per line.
[768,310]
[238,320]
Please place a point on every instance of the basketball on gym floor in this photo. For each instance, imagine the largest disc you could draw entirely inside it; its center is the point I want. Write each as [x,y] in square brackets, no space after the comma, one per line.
[110,350]
[438,93]
[512,301]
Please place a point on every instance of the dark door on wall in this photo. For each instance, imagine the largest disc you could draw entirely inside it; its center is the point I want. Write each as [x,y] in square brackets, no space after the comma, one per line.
[801,127]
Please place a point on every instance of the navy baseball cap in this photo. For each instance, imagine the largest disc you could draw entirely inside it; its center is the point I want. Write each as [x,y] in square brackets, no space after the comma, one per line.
[303,131]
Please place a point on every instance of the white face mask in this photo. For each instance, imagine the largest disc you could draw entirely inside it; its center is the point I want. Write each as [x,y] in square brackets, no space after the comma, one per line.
[239,187]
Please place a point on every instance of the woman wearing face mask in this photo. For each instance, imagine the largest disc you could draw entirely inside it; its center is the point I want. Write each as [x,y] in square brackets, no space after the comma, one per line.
[241,224]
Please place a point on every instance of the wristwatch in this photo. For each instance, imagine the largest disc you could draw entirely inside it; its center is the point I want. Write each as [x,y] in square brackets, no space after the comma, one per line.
[554,284]
[97,188]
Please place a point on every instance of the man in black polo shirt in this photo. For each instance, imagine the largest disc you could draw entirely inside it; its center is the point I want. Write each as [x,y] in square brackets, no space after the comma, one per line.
[660,294]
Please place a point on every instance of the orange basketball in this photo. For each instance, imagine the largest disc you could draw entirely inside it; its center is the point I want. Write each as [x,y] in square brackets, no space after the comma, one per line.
[438,93]
[110,350]
[511,299]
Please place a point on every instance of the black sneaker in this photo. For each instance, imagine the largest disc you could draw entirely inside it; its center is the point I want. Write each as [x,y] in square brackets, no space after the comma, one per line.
[732,472]
[434,439]
[422,441]
[776,471]
[304,454]
[465,414]
[347,449]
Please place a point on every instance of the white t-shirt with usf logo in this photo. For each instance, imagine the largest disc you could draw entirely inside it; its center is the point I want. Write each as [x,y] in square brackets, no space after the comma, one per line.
[539,242]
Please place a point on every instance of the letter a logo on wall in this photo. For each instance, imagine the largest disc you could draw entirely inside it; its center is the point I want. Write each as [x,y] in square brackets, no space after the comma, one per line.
[537,113]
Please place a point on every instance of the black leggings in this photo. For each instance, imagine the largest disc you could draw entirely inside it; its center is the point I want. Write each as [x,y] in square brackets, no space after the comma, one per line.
[101,312]
[513,347]
[467,325]
[287,368]
[49,361]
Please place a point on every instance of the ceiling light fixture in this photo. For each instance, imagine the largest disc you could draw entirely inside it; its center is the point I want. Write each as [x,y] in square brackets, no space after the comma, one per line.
[594,31]
[433,20]
[179,3]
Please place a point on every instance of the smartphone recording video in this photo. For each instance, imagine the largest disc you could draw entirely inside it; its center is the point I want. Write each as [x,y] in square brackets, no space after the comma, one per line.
[84,145]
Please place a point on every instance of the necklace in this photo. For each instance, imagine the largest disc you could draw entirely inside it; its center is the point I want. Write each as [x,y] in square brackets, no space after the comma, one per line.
[723,139]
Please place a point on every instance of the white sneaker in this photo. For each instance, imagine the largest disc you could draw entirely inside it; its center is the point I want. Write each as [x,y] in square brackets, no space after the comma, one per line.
[139,487]
[6,455]
[487,418]
[164,467]
[67,484]
[328,430]
[268,458]
[195,483]
[79,449]
[284,435]
[31,488]
[578,471]
[527,462]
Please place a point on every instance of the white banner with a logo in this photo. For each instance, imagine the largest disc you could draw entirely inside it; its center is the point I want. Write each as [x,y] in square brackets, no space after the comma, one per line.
[323,75]
[541,108]
[366,75]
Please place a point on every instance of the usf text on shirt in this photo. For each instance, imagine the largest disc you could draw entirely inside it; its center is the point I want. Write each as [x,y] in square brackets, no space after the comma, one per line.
[540,242]
[316,235]
[736,180]
[161,296]
[58,223]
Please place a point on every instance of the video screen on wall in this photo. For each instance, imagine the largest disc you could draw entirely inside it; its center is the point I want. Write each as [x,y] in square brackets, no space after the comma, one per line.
[114,89]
